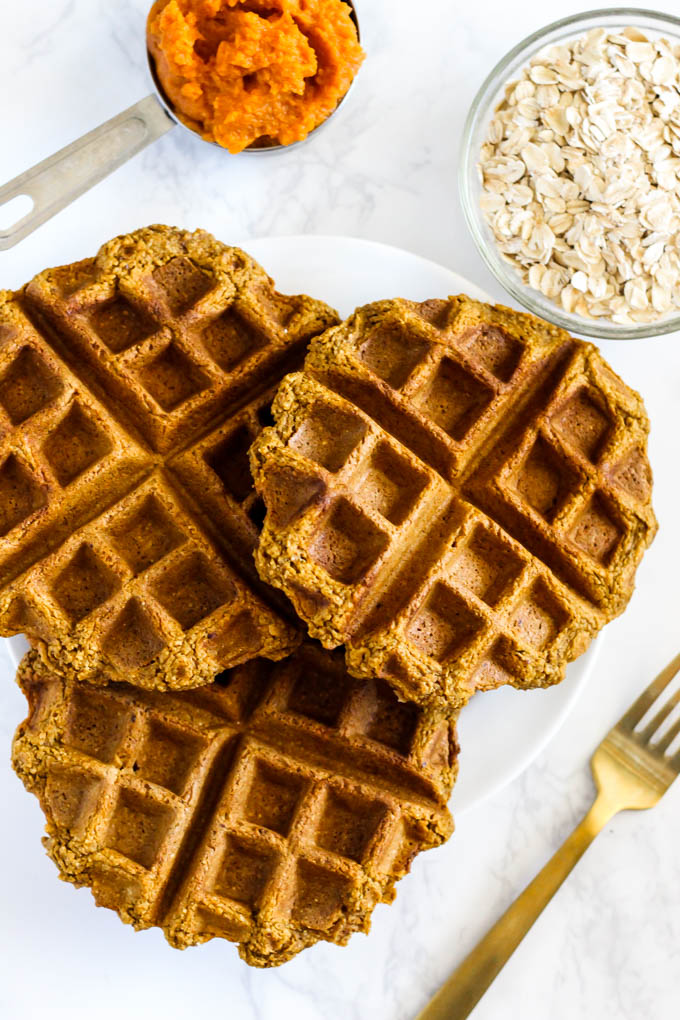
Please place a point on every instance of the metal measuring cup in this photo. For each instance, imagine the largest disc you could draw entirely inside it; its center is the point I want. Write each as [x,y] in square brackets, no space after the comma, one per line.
[57,181]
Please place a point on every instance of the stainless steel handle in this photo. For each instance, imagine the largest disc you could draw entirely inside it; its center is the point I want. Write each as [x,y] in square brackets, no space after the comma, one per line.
[58,180]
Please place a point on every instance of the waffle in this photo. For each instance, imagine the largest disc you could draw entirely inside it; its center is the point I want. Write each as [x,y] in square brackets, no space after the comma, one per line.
[274,808]
[459,494]
[131,386]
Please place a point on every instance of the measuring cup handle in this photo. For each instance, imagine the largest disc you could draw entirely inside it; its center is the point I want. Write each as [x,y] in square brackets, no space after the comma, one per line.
[58,180]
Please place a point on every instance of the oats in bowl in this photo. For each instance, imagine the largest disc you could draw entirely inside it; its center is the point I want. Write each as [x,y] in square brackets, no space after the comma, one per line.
[580,175]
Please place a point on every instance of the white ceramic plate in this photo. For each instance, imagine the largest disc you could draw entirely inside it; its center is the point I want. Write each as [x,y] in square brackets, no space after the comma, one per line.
[500,732]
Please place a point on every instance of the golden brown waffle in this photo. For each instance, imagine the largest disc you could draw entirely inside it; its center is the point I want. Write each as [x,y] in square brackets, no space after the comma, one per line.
[274,807]
[131,386]
[460,494]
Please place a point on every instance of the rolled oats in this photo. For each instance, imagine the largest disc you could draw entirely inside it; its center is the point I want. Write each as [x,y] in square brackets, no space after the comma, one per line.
[581,175]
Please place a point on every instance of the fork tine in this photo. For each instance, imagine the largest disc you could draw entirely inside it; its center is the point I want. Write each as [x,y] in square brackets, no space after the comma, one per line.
[631,718]
[669,737]
[651,728]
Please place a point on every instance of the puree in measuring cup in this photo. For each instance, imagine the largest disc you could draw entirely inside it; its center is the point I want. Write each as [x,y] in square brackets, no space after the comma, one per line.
[243,72]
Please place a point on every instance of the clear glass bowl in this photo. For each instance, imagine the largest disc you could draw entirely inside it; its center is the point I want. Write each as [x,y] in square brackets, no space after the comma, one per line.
[481,112]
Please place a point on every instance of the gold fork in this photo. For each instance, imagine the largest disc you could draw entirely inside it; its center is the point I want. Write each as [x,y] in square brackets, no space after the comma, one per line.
[631,773]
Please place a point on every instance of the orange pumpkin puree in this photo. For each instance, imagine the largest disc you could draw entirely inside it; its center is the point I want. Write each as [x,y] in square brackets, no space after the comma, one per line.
[243,72]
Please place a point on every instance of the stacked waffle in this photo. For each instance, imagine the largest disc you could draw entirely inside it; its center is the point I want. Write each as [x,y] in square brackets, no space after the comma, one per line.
[456,495]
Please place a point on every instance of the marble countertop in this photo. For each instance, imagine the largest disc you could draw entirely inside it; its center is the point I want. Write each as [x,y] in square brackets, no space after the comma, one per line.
[609,944]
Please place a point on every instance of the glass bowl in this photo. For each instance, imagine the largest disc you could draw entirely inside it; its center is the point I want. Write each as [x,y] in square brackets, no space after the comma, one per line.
[476,126]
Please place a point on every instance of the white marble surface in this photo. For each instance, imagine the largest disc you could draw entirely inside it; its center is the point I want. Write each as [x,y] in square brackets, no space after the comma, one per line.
[609,945]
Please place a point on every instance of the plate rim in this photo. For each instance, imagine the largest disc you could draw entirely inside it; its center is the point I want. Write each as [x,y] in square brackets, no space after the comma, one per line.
[587,662]
[475,291]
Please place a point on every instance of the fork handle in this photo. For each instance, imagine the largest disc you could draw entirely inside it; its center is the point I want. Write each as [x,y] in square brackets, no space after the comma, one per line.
[463,990]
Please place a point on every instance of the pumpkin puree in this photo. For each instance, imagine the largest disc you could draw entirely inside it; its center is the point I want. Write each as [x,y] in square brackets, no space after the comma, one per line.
[242,72]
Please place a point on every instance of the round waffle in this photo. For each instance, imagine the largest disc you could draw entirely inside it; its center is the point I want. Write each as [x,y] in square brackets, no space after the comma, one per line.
[131,386]
[273,808]
[458,493]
